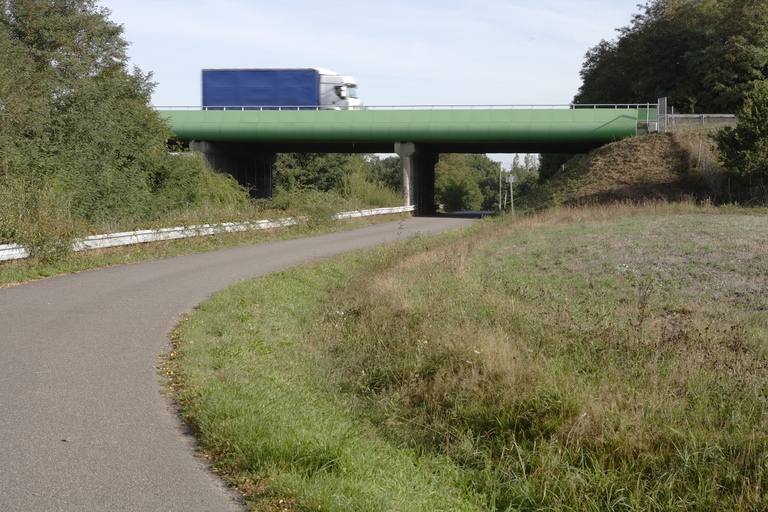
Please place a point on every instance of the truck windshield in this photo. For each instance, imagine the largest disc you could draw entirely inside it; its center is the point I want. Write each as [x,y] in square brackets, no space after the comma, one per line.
[352,91]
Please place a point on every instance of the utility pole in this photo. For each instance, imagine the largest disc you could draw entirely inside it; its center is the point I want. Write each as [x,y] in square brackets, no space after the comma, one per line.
[500,170]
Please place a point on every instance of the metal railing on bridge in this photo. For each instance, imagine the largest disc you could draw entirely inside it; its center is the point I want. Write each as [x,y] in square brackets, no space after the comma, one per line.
[423,107]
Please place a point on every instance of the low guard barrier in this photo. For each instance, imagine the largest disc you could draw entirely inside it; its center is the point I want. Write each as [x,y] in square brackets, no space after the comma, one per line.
[14,251]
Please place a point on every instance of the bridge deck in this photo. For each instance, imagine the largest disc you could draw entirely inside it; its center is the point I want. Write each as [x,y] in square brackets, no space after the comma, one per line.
[454,130]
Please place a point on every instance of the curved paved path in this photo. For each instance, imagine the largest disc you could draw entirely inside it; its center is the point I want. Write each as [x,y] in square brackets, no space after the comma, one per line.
[83,425]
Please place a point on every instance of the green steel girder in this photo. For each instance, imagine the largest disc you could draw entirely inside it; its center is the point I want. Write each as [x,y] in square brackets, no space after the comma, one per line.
[490,130]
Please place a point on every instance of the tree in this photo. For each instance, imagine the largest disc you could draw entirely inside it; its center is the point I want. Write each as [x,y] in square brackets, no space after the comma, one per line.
[526,174]
[454,186]
[485,172]
[744,149]
[387,171]
[701,54]
[736,56]
[79,141]
[607,73]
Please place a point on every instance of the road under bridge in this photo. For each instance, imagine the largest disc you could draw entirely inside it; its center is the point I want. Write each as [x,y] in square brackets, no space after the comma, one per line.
[245,141]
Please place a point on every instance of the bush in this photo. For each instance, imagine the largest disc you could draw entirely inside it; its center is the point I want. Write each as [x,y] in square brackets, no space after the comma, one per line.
[182,180]
[744,149]
[356,185]
[37,218]
[319,171]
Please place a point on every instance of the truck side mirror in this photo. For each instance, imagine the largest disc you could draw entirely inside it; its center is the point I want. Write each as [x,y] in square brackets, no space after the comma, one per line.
[341,91]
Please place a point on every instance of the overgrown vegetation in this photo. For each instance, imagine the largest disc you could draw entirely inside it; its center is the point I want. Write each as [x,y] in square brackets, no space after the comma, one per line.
[703,55]
[744,149]
[462,182]
[79,142]
[358,177]
[600,358]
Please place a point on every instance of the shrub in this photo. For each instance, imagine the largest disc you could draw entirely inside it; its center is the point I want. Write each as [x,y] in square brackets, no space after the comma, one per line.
[744,149]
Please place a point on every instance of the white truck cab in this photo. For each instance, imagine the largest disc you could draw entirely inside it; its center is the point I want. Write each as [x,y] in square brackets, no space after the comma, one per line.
[337,91]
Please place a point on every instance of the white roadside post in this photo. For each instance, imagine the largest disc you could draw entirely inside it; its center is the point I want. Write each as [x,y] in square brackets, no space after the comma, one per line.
[511,181]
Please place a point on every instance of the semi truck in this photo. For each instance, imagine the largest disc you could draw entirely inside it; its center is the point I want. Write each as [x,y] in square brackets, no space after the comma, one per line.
[278,88]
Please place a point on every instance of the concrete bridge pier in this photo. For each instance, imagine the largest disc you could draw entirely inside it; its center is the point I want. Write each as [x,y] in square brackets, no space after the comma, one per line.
[417,166]
[251,167]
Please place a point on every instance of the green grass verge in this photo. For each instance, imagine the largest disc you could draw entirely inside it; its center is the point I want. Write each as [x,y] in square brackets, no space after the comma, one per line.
[603,358]
[258,398]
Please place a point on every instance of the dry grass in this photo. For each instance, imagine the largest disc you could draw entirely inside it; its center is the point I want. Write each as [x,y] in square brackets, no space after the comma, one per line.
[573,352]
[649,167]
[700,148]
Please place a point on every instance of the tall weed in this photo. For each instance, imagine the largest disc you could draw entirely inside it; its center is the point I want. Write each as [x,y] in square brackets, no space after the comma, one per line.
[38,218]
[357,185]
[584,358]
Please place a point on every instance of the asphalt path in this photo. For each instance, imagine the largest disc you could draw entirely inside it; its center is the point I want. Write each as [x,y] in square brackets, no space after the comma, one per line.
[83,423]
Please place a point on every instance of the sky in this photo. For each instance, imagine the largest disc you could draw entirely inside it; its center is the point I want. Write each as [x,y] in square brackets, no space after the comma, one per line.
[400,52]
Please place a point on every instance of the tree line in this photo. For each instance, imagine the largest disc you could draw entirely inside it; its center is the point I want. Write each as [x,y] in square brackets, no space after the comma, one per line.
[704,56]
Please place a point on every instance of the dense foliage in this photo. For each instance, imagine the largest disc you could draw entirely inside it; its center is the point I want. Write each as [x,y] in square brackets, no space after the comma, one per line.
[526,173]
[744,149]
[386,171]
[356,177]
[318,171]
[701,54]
[462,182]
[78,138]
[454,187]
[485,172]
[467,182]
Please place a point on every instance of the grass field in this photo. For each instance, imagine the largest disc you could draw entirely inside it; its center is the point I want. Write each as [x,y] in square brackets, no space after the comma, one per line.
[595,358]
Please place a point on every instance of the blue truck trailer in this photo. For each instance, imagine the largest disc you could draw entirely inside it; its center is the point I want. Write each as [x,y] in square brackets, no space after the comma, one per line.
[277,88]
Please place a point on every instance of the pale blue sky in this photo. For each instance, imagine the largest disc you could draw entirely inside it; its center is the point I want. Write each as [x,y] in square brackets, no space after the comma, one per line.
[400,52]
[418,52]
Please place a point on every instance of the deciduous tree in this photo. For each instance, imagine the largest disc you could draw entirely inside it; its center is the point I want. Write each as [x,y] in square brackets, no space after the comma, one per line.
[485,172]
[79,141]
[454,187]
[701,54]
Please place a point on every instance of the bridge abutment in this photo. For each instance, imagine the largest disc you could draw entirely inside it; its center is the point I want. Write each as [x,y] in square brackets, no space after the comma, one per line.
[417,167]
[249,166]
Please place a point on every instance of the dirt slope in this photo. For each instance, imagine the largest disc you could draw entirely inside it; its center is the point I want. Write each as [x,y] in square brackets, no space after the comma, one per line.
[636,169]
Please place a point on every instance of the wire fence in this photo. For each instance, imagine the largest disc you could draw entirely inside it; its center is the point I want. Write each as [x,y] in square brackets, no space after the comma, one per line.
[677,121]
[694,132]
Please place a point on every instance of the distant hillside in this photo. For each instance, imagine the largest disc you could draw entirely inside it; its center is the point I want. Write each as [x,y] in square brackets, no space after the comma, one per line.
[636,169]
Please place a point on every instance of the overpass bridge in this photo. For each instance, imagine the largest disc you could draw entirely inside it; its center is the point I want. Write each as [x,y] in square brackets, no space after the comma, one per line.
[244,141]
